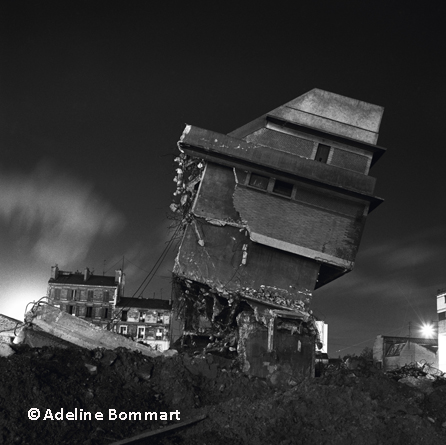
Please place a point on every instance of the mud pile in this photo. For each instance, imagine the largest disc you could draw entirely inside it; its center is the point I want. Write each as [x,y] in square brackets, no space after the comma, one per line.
[344,406]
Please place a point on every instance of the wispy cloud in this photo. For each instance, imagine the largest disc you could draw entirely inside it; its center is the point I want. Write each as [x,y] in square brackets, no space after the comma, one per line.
[55,215]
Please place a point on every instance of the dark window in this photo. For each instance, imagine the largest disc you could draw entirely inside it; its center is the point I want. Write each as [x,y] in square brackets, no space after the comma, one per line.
[105,296]
[90,294]
[57,294]
[70,294]
[258,181]
[77,311]
[124,316]
[442,316]
[70,309]
[322,153]
[283,188]
[76,294]
[395,349]
[89,312]
[105,313]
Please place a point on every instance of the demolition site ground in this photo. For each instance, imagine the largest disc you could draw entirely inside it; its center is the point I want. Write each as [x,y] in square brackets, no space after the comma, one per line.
[360,406]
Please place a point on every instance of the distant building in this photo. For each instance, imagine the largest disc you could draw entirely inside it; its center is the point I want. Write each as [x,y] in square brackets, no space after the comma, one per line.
[441,310]
[85,295]
[394,352]
[145,320]
[7,327]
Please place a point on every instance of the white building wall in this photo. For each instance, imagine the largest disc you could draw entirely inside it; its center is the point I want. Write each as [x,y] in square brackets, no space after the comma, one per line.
[441,307]
[322,327]
[442,345]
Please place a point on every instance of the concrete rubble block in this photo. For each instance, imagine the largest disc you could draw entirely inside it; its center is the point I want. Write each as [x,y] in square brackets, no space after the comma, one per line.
[92,369]
[84,334]
[6,350]
[421,383]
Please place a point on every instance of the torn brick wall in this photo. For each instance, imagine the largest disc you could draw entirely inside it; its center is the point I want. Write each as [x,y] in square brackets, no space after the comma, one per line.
[266,338]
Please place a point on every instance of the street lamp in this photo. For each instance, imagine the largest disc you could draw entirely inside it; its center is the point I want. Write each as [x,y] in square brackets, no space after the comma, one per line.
[427,330]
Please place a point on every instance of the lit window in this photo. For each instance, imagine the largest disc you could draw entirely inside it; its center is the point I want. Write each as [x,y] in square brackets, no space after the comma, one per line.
[258,181]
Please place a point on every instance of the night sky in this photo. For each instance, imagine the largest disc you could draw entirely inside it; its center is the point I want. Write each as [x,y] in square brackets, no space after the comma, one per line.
[94,96]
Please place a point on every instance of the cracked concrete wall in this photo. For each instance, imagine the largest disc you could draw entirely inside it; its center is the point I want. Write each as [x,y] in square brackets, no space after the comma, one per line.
[219,263]
[292,356]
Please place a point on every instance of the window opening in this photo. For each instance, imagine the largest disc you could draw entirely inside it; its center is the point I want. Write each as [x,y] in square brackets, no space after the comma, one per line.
[259,181]
[322,153]
[283,188]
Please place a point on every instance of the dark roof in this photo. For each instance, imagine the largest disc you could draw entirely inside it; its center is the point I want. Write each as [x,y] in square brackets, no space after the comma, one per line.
[421,341]
[78,279]
[144,303]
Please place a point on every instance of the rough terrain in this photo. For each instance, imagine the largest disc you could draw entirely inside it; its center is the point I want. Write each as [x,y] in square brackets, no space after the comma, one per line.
[361,406]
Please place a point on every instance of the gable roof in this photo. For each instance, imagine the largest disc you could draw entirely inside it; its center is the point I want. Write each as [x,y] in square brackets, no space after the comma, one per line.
[342,118]
[77,278]
[144,303]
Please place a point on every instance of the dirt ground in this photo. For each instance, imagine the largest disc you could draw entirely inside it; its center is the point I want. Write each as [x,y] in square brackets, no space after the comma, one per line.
[342,407]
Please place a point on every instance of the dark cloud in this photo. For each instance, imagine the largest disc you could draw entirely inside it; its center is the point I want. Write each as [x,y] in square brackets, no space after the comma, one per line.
[56,216]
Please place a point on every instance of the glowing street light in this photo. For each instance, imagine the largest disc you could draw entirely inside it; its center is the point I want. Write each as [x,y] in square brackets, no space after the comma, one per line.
[427,330]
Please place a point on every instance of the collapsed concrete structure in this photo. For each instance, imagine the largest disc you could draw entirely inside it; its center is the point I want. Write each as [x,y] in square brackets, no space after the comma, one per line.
[271,212]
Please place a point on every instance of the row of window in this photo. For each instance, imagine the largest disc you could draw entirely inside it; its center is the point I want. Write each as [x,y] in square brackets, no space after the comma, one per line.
[280,187]
[77,295]
[146,317]
[89,311]
[144,333]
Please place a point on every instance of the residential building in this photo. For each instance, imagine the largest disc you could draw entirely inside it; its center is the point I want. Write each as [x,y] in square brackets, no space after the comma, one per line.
[273,211]
[441,311]
[86,295]
[145,320]
[393,352]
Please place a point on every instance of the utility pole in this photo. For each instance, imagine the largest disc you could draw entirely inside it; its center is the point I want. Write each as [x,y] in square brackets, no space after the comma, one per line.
[409,334]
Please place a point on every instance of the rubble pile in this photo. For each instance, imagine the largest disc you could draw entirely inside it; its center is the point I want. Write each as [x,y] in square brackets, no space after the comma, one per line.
[362,406]
[419,375]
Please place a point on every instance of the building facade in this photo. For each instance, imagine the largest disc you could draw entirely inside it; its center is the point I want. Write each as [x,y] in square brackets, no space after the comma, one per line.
[145,320]
[393,352]
[273,211]
[441,311]
[85,295]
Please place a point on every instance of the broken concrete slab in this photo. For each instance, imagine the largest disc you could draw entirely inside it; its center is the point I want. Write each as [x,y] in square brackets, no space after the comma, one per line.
[82,333]
[6,350]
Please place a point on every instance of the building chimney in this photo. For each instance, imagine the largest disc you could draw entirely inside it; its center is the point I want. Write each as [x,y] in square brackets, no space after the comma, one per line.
[86,274]
[54,272]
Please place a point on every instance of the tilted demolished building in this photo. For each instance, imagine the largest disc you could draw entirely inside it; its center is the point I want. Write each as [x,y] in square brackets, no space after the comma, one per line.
[271,212]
